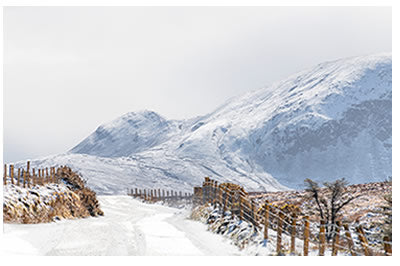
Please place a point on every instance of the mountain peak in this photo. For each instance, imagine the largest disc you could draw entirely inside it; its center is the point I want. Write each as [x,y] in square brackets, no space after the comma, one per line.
[127,134]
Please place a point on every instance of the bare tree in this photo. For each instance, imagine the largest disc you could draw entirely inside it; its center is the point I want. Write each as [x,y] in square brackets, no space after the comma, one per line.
[329,201]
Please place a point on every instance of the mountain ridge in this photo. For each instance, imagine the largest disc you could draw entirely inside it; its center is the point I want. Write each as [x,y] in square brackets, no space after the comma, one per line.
[330,121]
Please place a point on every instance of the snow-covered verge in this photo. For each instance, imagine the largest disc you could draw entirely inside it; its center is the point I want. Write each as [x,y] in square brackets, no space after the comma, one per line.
[250,239]
[41,204]
[67,198]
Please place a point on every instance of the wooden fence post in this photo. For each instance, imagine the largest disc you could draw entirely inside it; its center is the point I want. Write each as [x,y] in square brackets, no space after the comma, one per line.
[349,239]
[42,178]
[12,173]
[240,207]
[225,203]
[28,165]
[46,179]
[220,199]
[208,190]
[24,177]
[253,213]
[215,193]
[5,175]
[306,235]
[387,245]
[28,181]
[52,175]
[266,220]
[279,233]
[335,241]
[36,177]
[363,240]
[322,238]
[19,176]
[232,203]
[293,235]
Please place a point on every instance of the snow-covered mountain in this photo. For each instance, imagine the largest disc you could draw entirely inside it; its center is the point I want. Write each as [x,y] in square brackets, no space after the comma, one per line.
[331,121]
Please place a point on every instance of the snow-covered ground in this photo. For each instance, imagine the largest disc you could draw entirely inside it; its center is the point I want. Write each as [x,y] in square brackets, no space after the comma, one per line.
[129,227]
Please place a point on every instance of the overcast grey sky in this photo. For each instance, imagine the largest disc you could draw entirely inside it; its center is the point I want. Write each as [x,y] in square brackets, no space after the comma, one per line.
[69,69]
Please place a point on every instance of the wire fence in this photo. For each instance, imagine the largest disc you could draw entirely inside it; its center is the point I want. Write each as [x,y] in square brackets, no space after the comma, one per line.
[28,177]
[170,197]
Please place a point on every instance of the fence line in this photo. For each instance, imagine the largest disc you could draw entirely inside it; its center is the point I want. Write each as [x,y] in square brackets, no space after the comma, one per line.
[155,195]
[28,177]
[235,201]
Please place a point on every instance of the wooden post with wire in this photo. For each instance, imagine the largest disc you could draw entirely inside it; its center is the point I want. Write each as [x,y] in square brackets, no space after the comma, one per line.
[220,199]
[215,194]
[350,242]
[24,177]
[335,241]
[19,176]
[28,165]
[387,245]
[5,175]
[306,235]
[279,234]
[28,181]
[266,220]
[52,178]
[322,238]
[225,202]
[293,235]
[252,212]
[363,240]
[240,206]
[39,178]
[12,173]
[46,179]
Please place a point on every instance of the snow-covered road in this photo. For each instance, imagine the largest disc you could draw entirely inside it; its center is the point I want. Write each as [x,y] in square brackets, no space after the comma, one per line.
[129,227]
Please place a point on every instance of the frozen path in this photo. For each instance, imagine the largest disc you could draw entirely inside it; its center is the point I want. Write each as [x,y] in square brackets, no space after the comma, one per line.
[129,227]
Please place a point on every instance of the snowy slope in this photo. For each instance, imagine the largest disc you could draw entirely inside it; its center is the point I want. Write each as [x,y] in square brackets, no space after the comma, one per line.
[327,122]
[128,134]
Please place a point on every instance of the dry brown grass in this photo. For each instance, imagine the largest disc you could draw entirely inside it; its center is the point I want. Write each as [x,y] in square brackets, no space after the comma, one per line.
[73,201]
